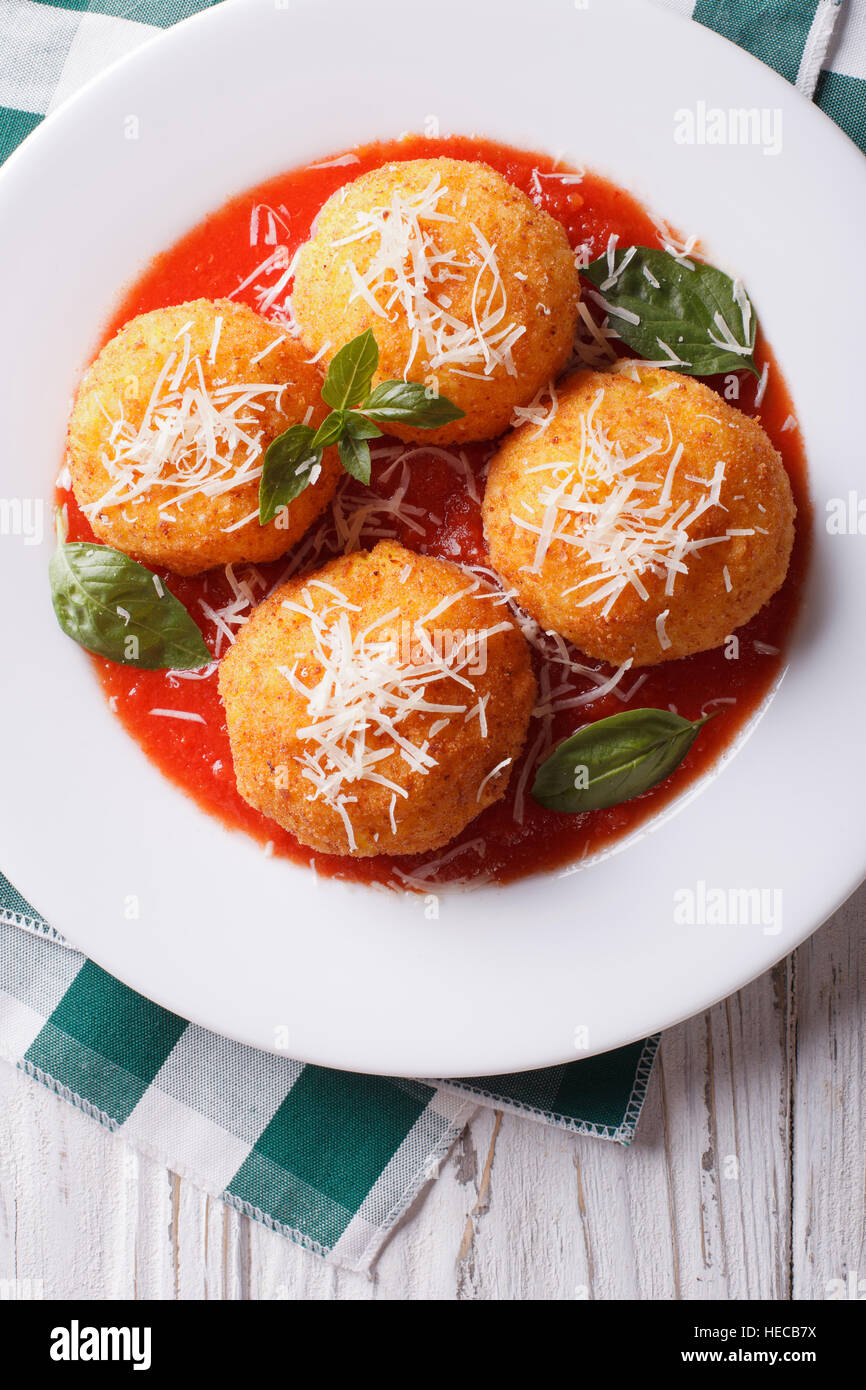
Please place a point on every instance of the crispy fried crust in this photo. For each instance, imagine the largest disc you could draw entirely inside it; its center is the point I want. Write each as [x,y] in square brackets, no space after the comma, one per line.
[703,610]
[122,379]
[527,242]
[264,713]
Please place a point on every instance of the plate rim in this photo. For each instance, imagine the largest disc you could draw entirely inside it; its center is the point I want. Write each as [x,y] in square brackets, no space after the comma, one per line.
[211,16]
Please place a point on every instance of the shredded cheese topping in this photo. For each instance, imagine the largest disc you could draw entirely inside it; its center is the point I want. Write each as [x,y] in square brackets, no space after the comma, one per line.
[541,411]
[370,687]
[422,878]
[408,272]
[624,525]
[571,176]
[675,246]
[359,516]
[194,439]
[592,346]
[236,612]
[188,715]
[270,280]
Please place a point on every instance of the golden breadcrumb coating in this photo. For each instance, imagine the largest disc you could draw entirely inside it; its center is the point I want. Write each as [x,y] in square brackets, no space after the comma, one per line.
[200,530]
[561,481]
[538,277]
[378,598]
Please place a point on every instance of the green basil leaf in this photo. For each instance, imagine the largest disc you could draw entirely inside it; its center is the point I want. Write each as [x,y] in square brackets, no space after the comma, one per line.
[614,759]
[355,457]
[288,463]
[351,371]
[329,430]
[694,312]
[409,403]
[111,605]
[359,428]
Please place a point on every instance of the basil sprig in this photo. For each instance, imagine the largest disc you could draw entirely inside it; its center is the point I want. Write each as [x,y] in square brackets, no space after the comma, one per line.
[614,760]
[292,460]
[350,372]
[288,463]
[697,311]
[111,605]
[410,403]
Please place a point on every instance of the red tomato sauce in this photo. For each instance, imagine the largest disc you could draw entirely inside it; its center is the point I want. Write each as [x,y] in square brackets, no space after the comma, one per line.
[211,261]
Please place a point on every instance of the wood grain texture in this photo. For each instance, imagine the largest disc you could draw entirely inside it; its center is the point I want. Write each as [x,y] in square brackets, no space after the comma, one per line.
[829,1105]
[746,1180]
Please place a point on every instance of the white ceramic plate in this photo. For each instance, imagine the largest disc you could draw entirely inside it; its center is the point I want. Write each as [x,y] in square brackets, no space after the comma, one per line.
[244,944]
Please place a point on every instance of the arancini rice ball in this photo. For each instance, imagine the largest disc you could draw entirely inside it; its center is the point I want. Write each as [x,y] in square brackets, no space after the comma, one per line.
[649,519]
[378,705]
[169,430]
[466,285]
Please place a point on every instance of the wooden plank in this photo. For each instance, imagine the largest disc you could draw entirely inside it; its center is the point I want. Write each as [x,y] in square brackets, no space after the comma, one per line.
[829,1151]
[698,1208]
[727,1088]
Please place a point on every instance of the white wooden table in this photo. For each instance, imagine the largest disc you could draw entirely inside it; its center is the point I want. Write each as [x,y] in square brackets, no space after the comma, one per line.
[746,1180]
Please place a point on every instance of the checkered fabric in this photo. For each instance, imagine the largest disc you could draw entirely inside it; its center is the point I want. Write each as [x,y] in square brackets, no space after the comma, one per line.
[330,1159]
[819,45]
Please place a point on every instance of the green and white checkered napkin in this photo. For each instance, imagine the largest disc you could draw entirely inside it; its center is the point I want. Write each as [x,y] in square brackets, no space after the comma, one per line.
[330,1159]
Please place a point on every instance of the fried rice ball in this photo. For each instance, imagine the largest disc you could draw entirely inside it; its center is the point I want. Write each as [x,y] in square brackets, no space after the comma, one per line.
[647,521]
[378,706]
[169,428]
[447,247]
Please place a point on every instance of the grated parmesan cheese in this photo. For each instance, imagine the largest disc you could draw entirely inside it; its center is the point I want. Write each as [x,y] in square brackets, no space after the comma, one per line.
[337,163]
[506,762]
[369,688]
[178,714]
[193,439]
[406,270]
[535,413]
[602,505]
[421,877]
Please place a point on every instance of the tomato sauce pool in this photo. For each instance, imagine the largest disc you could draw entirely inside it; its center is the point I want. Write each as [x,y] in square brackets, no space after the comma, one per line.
[516,836]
